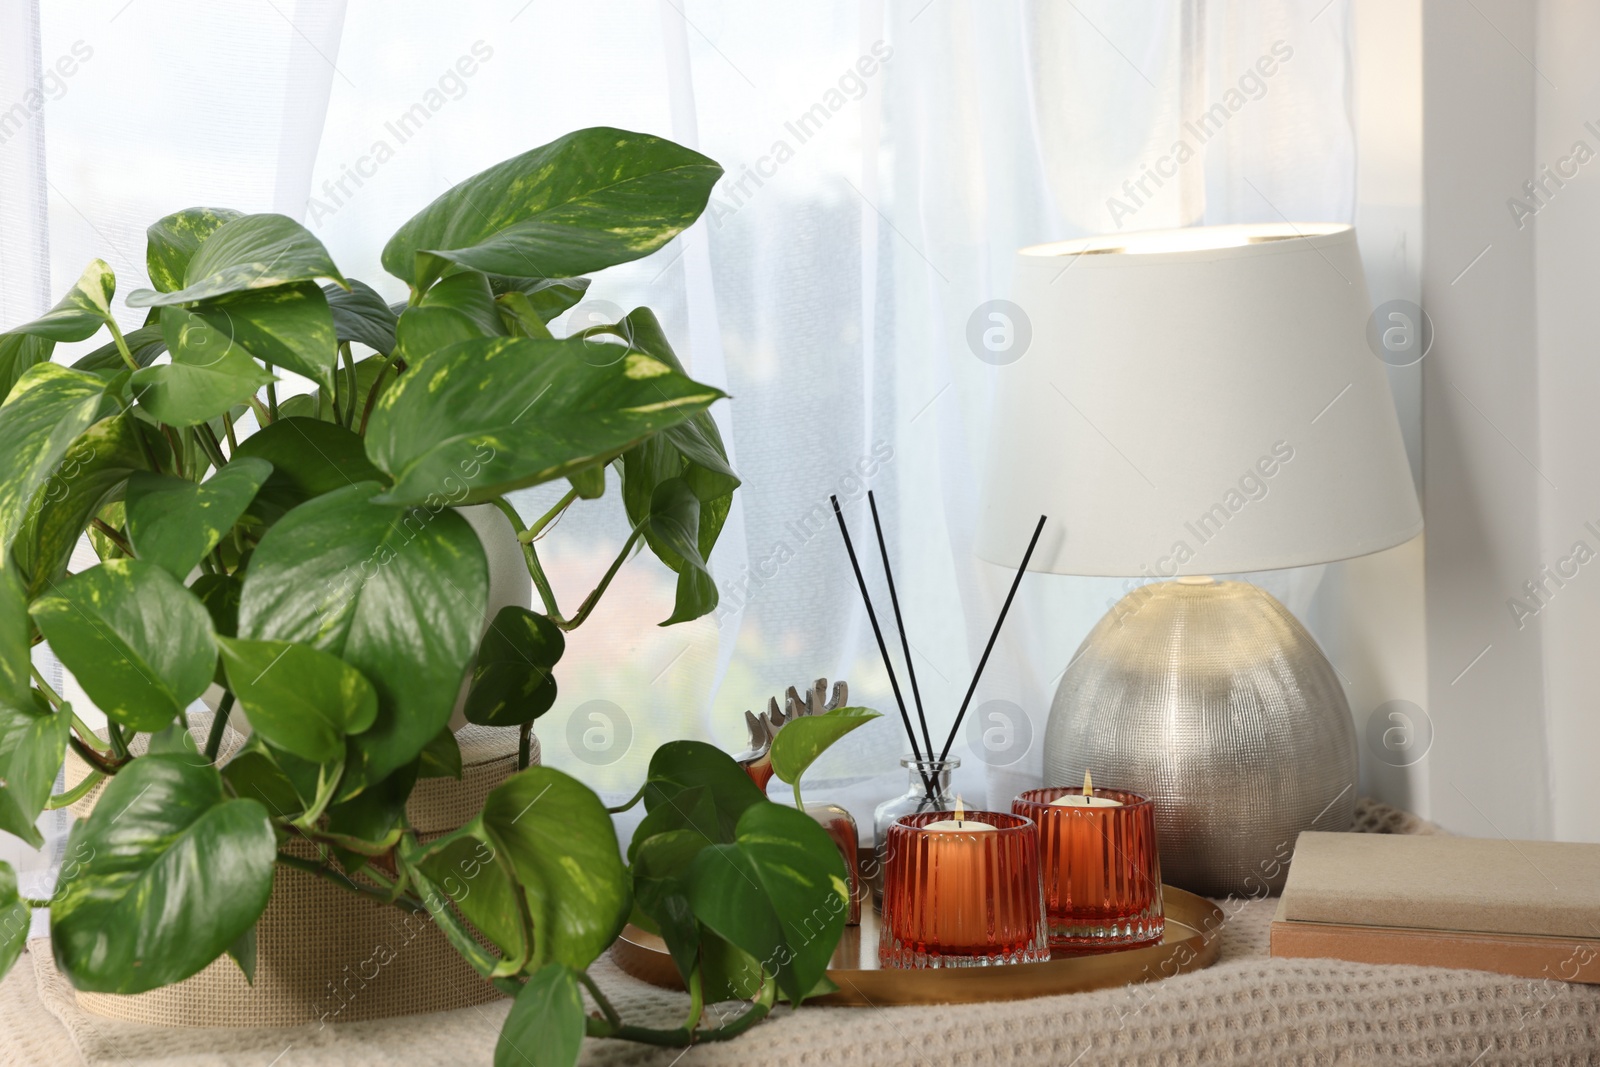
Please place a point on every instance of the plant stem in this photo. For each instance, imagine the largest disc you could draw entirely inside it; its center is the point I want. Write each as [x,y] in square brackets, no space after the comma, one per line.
[112,535]
[759,1009]
[531,557]
[209,439]
[77,792]
[177,448]
[272,400]
[348,416]
[344,881]
[206,442]
[801,804]
[34,902]
[119,744]
[532,533]
[89,737]
[600,999]
[631,802]
[49,694]
[593,598]
[524,745]
[219,725]
[372,394]
[94,759]
[697,1001]
[263,417]
[122,344]
[227,427]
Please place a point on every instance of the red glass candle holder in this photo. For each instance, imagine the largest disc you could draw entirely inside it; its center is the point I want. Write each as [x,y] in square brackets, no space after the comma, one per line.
[1099,868]
[962,898]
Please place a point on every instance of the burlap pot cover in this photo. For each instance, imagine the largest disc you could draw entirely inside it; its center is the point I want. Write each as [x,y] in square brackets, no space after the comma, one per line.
[325,955]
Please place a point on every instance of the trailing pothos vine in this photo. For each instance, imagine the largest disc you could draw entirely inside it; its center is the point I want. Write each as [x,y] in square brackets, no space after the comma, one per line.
[303,553]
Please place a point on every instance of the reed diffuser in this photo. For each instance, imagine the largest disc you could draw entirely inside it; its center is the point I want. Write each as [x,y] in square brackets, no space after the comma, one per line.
[930,773]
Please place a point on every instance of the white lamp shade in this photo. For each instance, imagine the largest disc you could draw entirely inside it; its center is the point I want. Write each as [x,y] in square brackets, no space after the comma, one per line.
[1197,401]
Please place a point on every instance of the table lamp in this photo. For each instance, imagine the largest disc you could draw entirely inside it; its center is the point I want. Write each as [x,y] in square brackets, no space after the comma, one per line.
[1200,402]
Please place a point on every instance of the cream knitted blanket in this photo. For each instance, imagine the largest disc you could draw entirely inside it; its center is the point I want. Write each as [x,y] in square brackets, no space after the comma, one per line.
[1247,1009]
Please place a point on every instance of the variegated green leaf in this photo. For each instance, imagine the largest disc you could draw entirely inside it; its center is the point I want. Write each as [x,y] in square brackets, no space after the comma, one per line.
[778,892]
[559,840]
[172,522]
[299,699]
[547,297]
[484,417]
[16,633]
[588,200]
[33,739]
[691,450]
[33,736]
[519,316]
[171,242]
[459,308]
[138,642]
[398,594]
[173,873]
[546,1023]
[289,326]
[249,252]
[18,352]
[478,881]
[91,475]
[79,314]
[15,917]
[674,525]
[44,414]
[309,457]
[208,374]
[360,314]
[802,740]
[513,679]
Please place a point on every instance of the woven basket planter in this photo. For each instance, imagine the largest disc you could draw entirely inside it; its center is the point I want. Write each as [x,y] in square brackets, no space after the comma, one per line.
[324,955]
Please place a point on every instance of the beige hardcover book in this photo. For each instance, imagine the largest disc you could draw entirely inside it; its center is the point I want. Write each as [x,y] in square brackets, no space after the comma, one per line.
[1527,908]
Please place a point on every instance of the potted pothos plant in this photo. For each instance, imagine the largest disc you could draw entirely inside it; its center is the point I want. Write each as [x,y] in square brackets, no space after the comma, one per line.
[304,553]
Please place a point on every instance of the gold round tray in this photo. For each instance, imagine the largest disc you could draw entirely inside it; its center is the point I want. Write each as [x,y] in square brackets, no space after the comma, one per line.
[1186,945]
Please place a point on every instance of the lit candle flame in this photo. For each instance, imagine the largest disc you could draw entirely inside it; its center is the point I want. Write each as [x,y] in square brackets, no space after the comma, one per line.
[1088,784]
[961,811]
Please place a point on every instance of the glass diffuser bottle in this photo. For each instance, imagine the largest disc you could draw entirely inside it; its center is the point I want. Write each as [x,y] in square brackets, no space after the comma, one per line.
[928,790]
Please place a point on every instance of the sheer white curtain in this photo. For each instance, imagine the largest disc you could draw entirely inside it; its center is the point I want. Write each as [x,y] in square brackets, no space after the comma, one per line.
[884,160]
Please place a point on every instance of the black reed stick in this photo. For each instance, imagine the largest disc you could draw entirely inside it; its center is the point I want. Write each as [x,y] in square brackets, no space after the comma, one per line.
[899,622]
[883,649]
[1037,530]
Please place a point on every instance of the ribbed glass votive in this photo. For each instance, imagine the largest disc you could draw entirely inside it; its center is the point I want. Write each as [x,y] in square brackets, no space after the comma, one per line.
[962,898]
[1098,866]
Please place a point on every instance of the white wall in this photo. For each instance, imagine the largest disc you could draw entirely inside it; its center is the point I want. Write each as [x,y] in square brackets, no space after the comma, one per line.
[1565,234]
[1484,477]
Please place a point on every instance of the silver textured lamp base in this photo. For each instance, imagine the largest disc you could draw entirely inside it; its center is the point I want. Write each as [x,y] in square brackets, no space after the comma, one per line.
[1212,699]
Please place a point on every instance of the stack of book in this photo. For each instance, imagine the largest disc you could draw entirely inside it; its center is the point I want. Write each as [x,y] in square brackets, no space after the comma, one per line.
[1525,908]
